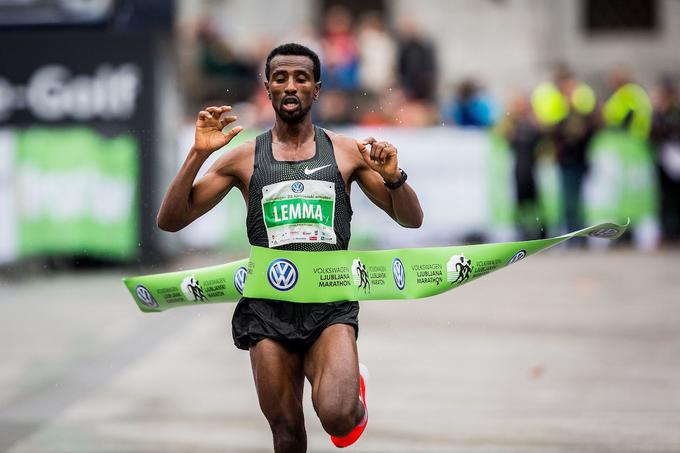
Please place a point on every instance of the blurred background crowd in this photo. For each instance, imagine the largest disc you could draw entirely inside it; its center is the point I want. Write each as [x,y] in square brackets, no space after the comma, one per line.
[378,72]
[545,115]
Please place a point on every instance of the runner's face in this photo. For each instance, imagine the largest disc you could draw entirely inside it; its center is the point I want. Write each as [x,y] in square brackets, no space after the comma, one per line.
[292,87]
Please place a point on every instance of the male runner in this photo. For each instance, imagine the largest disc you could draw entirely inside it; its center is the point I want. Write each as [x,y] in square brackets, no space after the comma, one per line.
[289,341]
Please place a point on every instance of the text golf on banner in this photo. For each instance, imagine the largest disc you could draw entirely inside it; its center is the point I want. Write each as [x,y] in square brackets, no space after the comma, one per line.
[341,275]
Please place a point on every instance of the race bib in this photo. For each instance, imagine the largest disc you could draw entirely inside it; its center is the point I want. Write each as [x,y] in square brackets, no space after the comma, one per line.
[299,211]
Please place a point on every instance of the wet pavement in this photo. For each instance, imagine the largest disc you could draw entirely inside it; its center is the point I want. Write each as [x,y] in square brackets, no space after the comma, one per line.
[565,351]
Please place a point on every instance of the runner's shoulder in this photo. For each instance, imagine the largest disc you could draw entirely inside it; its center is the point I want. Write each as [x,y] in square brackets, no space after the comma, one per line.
[244,149]
[344,145]
[241,155]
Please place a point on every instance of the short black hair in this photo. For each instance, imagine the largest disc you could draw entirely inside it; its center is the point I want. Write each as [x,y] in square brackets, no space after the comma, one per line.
[292,48]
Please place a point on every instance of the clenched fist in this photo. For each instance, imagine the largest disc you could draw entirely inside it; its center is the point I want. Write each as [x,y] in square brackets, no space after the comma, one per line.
[382,157]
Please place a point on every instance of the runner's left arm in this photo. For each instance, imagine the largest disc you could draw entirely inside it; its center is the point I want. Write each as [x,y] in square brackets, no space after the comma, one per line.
[379,165]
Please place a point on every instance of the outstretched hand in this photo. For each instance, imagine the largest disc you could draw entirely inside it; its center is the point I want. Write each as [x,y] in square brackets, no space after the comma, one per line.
[209,136]
[380,157]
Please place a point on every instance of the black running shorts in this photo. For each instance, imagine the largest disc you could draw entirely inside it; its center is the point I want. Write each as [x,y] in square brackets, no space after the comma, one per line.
[296,325]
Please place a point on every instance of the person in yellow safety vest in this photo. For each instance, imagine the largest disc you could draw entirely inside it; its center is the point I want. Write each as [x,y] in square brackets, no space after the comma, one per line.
[628,107]
[566,110]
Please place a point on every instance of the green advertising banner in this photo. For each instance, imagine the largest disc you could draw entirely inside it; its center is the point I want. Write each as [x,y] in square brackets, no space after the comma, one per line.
[77,193]
[341,275]
[621,181]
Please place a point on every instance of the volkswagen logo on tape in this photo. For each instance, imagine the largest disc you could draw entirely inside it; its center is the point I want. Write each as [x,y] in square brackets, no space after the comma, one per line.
[517,256]
[398,273]
[240,279]
[145,297]
[606,232]
[282,274]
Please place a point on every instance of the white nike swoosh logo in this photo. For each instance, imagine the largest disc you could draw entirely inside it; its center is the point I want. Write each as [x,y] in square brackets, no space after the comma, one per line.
[314,170]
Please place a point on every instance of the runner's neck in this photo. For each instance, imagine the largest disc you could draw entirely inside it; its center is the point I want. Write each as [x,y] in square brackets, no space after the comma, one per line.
[293,135]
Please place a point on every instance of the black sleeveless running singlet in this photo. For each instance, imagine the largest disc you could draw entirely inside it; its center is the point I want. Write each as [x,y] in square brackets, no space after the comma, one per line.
[276,222]
[321,167]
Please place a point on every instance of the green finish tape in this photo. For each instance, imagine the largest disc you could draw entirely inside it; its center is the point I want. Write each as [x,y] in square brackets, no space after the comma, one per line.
[159,292]
[341,275]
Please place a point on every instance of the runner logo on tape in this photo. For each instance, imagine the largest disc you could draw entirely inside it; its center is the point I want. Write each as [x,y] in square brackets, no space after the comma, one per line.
[360,275]
[458,269]
[192,289]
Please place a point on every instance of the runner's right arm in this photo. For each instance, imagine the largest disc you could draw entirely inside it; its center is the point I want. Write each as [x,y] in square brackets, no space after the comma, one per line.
[185,200]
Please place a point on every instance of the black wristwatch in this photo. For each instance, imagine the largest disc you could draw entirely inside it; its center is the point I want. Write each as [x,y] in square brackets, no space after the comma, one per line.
[397,184]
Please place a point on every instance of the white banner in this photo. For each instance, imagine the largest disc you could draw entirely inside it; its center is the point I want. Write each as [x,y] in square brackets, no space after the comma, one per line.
[8,211]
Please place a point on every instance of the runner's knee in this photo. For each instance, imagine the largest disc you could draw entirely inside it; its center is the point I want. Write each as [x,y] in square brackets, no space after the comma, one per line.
[338,418]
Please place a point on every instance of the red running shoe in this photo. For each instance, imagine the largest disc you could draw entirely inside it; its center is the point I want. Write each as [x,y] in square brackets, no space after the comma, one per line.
[353,436]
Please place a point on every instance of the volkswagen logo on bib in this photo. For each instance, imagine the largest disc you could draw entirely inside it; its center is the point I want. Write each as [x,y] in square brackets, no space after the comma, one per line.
[297,187]
[282,274]
[398,273]
[240,279]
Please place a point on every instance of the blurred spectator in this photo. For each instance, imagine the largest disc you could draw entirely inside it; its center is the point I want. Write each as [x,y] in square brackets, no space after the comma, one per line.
[222,69]
[567,111]
[666,140]
[341,65]
[470,107]
[416,64]
[520,129]
[377,54]
[335,108]
[308,37]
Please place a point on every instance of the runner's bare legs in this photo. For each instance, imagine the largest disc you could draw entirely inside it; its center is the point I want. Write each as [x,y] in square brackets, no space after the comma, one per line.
[332,367]
[279,380]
